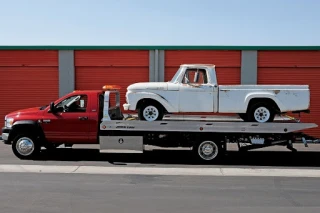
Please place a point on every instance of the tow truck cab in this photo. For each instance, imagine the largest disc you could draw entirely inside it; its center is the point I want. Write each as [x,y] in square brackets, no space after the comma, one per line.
[72,119]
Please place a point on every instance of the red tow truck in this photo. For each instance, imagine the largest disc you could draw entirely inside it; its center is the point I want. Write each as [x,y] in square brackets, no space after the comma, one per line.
[95,117]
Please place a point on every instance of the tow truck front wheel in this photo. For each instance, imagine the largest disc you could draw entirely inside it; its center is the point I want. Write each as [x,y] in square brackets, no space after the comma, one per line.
[25,147]
[207,151]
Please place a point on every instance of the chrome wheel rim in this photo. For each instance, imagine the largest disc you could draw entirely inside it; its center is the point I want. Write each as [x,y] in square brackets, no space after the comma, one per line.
[150,113]
[208,150]
[261,114]
[25,146]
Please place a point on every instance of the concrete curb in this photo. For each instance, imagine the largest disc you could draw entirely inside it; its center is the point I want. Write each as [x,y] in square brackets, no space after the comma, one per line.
[232,172]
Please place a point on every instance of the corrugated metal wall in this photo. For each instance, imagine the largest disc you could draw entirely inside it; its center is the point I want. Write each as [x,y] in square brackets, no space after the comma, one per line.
[294,67]
[121,67]
[28,79]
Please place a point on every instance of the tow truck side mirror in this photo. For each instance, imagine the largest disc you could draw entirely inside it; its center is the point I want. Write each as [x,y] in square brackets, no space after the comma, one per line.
[52,107]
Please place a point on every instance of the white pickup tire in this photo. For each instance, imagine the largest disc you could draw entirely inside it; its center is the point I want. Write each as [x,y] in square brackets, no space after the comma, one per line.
[261,112]
[150,111]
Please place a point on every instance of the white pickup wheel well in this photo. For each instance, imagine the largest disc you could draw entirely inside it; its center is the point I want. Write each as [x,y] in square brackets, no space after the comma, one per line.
[267,101]
[150,110]
[261,110]
[149,100]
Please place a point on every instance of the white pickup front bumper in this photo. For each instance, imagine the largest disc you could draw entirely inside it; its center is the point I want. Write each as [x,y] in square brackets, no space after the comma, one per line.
[126,107]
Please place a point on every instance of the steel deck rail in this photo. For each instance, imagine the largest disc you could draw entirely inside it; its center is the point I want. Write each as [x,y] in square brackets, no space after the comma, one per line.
[201,126]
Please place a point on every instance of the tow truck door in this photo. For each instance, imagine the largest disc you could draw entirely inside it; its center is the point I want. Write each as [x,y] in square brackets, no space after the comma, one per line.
[70,122]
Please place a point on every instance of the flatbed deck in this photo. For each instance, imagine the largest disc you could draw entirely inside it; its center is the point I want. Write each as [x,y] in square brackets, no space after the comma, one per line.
[131,135]
[204,126]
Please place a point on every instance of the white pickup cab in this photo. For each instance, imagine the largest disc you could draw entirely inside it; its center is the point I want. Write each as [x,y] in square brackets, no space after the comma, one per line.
[195,89]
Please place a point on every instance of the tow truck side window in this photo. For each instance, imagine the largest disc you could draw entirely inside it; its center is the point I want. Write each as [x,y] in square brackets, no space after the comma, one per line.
[76,103]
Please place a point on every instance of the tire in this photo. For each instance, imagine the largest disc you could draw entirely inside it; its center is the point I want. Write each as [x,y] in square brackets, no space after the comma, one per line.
[261,113]
[150,111]
[25,146]
[207,151]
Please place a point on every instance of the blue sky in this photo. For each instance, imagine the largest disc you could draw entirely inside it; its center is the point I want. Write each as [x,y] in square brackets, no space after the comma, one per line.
[161,22]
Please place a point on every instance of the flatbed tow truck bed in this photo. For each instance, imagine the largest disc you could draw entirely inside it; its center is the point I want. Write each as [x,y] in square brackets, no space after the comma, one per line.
[206,135]
[208,140]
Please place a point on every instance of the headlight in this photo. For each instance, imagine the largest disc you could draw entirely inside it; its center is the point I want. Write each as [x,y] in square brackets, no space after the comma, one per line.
[8,122]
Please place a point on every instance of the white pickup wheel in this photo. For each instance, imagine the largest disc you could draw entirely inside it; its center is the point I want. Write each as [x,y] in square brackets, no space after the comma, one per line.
[150,112]
[207,151]
[261,113]
[25,146]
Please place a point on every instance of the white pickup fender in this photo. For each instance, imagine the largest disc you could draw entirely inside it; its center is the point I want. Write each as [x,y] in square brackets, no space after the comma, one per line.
[135,97]
[269,95]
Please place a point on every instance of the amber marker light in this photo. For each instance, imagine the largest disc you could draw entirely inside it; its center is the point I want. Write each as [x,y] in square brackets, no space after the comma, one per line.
[111,87]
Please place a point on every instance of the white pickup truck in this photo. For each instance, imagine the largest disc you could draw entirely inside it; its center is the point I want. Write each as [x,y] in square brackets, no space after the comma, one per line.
[194,88]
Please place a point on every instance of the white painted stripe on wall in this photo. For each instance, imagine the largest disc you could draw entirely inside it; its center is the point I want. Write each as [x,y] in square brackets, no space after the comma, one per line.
[263,172]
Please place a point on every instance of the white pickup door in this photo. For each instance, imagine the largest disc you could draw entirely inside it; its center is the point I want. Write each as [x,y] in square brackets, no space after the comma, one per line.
[196,94]
[196,98]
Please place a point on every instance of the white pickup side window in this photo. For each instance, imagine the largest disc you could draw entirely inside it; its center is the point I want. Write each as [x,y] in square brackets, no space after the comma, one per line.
[195,76]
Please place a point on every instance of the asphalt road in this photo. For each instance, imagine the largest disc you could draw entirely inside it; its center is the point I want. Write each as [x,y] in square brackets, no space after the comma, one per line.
[278,156]
[47,193]
[58,192]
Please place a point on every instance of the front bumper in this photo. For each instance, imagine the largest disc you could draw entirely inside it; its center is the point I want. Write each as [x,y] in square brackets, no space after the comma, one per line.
[5,133]
[126,107]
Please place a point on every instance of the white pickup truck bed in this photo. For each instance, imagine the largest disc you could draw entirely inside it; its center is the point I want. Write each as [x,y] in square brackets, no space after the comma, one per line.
[287,97]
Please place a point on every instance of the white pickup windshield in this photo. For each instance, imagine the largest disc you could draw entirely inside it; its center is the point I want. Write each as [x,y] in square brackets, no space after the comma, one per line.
[176,76]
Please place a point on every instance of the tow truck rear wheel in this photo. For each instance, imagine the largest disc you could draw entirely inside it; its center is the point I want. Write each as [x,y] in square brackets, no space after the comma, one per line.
[207,151]
[25,146]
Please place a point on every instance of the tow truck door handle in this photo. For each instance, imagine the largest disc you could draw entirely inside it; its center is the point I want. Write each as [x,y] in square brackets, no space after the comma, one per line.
[83,118]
